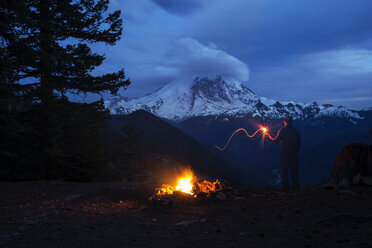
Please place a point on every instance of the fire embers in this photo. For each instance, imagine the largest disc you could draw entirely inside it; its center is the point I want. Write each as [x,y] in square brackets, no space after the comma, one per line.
[192,192]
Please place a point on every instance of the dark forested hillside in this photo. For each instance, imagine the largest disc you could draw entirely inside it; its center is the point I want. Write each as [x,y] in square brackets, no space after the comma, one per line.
[159,141]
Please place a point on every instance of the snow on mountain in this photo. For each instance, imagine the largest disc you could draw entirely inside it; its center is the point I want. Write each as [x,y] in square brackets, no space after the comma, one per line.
[220,95]
[366,109]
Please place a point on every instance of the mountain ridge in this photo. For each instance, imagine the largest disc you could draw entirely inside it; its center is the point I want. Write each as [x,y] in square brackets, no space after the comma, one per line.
[220,95]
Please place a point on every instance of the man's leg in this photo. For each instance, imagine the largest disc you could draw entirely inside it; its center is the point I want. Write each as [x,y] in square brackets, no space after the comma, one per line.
[284,167]
[294,172]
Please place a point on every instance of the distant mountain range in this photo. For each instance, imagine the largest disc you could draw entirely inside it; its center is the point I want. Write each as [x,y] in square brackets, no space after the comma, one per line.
[217,96]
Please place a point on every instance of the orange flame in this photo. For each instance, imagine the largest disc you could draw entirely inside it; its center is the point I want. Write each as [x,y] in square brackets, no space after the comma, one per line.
[184,184]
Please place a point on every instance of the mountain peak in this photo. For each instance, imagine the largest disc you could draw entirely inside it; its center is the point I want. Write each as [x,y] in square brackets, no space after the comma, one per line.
[219,89]
[218,95]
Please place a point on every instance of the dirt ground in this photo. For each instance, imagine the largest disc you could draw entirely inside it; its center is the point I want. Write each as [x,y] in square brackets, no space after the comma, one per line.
[63,214]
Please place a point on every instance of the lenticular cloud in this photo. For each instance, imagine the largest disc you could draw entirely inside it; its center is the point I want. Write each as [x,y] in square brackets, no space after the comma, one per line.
[188,57]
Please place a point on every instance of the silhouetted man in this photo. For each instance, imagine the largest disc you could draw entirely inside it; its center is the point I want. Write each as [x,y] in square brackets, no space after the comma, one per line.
[290,140]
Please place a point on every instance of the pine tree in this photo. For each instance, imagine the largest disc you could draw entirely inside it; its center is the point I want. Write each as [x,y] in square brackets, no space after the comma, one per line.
[9,131]
[46,55]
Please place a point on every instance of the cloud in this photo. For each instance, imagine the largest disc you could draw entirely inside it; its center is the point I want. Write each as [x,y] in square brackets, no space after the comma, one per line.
[339,77]
[181,7]
[187,57]
[344,61]
[182,58]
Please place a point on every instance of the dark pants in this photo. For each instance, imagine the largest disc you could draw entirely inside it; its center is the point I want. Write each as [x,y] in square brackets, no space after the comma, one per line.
[291,162]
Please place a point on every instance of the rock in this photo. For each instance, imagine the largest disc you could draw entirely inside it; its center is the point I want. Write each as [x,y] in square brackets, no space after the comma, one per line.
[244,208]
[73,197]
[346,240]
[352,164]
[220,196]
[180,198]
[165,201]
[226,186]
[5,237]
[348,192]
[329,186]
[357,178]
[366,180]
[200,193]
[239,198]
[186,223]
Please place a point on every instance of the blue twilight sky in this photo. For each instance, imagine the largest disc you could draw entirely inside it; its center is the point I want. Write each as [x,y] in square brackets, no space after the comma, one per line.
[302,50]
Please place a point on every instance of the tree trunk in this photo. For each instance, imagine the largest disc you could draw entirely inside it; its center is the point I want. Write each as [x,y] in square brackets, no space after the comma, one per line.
[46,89]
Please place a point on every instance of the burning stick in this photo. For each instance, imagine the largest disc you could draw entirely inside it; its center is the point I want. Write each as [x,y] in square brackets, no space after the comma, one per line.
[263,129]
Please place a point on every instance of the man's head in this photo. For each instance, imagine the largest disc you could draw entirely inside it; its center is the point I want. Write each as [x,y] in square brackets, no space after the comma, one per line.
[287,120]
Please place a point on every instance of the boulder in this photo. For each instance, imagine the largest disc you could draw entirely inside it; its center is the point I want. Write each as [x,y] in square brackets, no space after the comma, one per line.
[352,165]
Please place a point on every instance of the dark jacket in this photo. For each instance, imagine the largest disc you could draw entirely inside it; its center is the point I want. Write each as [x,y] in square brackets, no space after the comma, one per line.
[290,140]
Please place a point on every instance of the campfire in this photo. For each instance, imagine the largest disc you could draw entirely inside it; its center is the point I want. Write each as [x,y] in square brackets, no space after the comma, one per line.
[189,187]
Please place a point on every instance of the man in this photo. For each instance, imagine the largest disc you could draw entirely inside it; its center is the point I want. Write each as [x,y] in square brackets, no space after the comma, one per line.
[290,140]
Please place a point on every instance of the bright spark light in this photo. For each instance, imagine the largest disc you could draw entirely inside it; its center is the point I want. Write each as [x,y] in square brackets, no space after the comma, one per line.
[184,185]
[264,129]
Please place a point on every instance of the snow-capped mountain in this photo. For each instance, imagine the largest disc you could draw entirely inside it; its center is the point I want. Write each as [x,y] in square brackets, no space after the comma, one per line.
[220,95]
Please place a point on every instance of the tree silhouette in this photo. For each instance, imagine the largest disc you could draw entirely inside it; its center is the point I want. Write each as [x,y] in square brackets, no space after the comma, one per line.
[46,56]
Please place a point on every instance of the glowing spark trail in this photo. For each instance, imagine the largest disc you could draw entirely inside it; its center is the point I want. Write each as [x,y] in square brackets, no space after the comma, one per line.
[240,129]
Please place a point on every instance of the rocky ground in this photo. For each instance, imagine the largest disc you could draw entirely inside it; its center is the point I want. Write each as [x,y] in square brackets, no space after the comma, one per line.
[63,214]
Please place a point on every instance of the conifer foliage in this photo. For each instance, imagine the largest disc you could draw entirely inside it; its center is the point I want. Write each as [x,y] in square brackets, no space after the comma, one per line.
[46,56]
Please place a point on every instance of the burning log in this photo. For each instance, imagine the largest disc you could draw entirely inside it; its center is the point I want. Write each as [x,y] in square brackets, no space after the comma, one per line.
[190,188]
